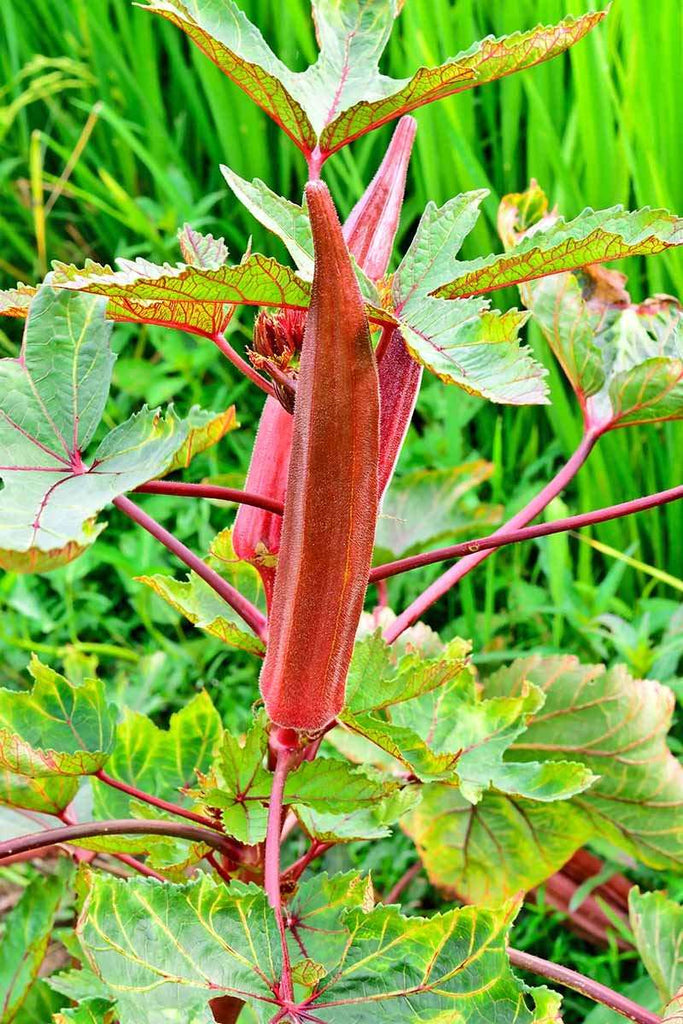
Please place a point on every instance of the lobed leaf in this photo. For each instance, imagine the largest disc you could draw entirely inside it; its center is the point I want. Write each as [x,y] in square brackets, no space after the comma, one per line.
[56,728]
[46,795]
[200,604]
[463,343]
[202,250]
[15,302]
[51,402]
[612,725]
[203,939]
[344,95]
[595,236]
[205,429]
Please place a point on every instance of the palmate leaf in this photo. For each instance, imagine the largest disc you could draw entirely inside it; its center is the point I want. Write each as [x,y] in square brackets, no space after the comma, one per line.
[616,728]
[193,298]
[463,343]
[240,785]
[202,250]
[24,944]
[51,402]
[205,429]
[56,728]
[343,95]
[15,302]
[200,604]
[203,939]
[624,360]
[595,236]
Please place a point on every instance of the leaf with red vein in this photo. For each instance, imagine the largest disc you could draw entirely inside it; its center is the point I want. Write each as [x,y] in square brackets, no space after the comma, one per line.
[51,402]
[623,359]
[343,95]
[595,236]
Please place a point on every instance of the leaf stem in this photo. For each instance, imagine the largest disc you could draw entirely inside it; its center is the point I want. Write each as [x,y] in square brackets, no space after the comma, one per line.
[116,827]
[285,759]
[315,850]
[241,364]
[183,490]
[499,540]
[586,986]
[397,890]
[244,608]
[155,801]
[457,572]
[137,865]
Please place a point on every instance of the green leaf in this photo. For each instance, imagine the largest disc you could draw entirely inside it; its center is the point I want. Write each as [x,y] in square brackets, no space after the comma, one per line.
[205,429]
[463,343]
[57,728]
[364,822]
[343,95]
[429,505]
[163,762]
[49,796]
[204,939]
[202,250]
[624,360]
[93,1011]
[190,297]
[613,725]
[657,924]
[202,606]
[24,944]
[595,236]
[240,784]
[51,403]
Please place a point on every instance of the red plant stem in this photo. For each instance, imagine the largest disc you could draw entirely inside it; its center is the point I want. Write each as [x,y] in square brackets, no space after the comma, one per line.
[244,608]
[138,866]
[218,868]
[498,540]
[285,759]
[155,801]
[453,575]
[315,850]
[182,490]
[397,890]
[586,986]
[122,827]
[241,364]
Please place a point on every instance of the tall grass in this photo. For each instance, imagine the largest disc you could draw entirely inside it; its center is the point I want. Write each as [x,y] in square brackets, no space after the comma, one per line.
[112,129]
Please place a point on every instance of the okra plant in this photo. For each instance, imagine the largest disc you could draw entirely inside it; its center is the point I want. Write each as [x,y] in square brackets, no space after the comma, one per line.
[175,850]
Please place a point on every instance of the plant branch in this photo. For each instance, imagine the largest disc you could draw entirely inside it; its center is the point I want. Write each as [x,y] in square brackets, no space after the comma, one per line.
[285,759]
[296,870]
[182,490]
[155,801]
[457,572]
[122,827]
[586,986]
[137,865]
[241,364]
[499,540]
[244,608]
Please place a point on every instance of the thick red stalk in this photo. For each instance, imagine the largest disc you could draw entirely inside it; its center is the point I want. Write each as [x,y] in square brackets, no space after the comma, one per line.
[256,535]
[331,505]
[586,986]
[244,608]
[154,801]
[182,490]
[499,540]
[457,572]
[286,758]
[123,827]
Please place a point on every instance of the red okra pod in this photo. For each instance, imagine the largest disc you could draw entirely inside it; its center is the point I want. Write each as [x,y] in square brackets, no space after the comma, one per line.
[332,493]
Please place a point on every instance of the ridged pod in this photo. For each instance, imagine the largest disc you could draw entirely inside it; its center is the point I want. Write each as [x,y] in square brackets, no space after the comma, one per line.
[332,493]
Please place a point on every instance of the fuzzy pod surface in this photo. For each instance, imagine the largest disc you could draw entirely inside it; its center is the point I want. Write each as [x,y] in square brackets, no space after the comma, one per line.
[332,493]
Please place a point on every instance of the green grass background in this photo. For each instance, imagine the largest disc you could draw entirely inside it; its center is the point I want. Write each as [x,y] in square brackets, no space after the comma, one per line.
[141,121]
